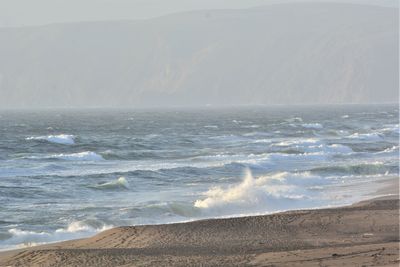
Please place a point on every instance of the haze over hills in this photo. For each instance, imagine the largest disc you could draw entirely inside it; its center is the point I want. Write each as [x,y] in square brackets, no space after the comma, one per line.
[41,12]
[294,53]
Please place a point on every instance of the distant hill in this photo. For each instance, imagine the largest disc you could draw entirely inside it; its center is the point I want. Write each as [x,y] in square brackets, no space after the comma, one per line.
[291,53]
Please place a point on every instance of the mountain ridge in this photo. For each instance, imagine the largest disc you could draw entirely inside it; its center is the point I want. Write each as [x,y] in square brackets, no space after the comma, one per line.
[282,54]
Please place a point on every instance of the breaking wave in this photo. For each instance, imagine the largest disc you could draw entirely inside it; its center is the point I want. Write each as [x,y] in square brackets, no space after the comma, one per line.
[251,126]
[366,136]
[120,183]
[312,145]
[64,139]
[393,128]
[81,156]
[263,194]
[19,238]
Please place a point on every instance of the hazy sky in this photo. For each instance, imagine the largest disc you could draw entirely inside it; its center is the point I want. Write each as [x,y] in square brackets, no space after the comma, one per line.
[33,12]
[37,12]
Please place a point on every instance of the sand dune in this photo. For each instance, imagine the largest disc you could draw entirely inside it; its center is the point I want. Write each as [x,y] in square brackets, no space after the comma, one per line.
[365,234]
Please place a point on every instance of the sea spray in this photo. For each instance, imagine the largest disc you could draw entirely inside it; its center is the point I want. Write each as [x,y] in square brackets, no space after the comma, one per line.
[265,193]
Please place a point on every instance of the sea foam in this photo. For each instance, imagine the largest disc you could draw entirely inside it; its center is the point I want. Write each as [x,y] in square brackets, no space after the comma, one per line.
[262,194]
[24,238]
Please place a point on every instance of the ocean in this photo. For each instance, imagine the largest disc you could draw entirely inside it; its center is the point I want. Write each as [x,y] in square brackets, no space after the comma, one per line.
[68,174]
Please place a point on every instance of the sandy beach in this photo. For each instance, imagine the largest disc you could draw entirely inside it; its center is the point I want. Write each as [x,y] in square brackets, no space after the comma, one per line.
[363,234]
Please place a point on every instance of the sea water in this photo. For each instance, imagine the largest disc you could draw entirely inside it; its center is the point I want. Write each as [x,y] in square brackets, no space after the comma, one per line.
[68,174]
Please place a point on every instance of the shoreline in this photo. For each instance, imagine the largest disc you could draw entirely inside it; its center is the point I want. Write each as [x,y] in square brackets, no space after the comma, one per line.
[389,188]
[282,239]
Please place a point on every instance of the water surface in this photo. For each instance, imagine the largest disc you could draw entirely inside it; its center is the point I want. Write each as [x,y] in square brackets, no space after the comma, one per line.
[69,174]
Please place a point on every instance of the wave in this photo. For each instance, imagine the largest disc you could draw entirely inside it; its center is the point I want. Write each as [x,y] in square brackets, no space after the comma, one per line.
[263,194]
[294,119]
[390,150]
[81,156]
[265,141]
[312,125]
[272,160]
[152,212]
[392,128]
[312,145]
[220,160]
[307,141]
[250,126]
[281,191]
[367,136]
[120,183]
[19,238]
[238,121]
[64,139]
[327,149]
[357,169]
[229,138]
[341,132]
[251,134]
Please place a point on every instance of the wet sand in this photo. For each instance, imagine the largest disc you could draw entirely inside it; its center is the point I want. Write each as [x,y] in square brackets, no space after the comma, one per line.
[364,234]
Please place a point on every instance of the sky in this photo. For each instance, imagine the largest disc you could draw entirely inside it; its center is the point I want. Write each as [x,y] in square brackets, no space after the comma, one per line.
[37,12]
[17,13]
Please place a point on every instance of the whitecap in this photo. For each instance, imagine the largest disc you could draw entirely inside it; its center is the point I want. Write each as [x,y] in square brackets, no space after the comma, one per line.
[342,132]
[120,183]
[265,141]
[312,125]
[81,156]
[20,238]
[389,150]
[256,134]
[393,128]
[65,139]
[312,145]
[294,119]
[326,149]
[366,136]
[251,126]
[306,141]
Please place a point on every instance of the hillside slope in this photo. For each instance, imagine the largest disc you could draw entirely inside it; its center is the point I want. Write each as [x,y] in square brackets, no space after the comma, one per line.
[277,54]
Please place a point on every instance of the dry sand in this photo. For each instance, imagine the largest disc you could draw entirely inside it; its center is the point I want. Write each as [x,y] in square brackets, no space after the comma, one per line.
[364,234]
